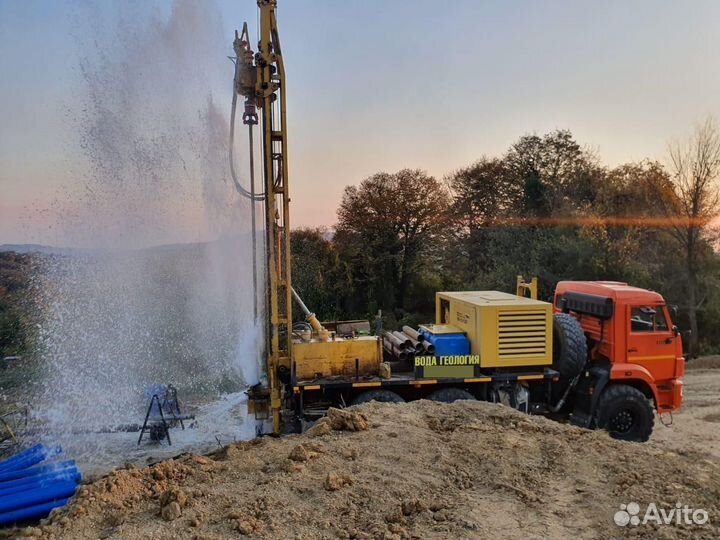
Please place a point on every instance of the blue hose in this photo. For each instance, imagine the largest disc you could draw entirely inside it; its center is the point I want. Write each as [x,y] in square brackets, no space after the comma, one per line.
[37,482]
[52,492]
[34,471]
[31,512]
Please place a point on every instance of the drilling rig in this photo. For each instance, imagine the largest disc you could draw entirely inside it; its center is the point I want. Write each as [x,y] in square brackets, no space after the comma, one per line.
[601,354]
[260,80]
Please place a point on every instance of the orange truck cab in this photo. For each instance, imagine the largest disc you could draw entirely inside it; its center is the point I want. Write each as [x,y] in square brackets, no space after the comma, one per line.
[634,350]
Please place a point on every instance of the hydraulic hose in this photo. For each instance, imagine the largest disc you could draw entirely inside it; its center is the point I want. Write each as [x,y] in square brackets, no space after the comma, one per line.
[244,192]
[254,197]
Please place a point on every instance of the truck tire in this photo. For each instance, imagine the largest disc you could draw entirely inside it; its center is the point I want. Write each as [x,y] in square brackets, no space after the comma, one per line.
[449,395]
[381,396]
[569,347]
[625,412]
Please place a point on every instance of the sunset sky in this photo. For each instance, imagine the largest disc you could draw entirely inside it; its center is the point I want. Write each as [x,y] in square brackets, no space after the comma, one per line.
[378,85]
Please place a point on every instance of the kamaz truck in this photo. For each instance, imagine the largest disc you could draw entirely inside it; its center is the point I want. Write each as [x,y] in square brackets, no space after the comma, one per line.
[601,355]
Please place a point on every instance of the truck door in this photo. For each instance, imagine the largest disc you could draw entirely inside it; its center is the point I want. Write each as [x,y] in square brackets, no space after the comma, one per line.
[651,341]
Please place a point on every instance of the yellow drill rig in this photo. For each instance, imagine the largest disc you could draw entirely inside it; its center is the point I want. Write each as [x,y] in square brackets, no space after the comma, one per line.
[601,354]
[260,80]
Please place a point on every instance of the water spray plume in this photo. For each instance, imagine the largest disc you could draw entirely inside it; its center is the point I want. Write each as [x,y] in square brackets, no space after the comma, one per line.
[153,129]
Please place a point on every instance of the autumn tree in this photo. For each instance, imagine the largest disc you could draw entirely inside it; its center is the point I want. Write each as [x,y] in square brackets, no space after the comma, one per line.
[551,169]
[385,227]
[504,208]
[317,273]
[695,168]
[484,194]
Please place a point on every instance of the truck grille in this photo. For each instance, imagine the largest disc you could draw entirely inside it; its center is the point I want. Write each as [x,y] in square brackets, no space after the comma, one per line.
[522,334]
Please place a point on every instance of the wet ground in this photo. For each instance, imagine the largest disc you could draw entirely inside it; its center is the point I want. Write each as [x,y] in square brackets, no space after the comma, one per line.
[215,424]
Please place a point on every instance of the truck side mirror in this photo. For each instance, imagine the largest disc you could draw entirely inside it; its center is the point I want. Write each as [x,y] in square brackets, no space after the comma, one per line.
[675,330]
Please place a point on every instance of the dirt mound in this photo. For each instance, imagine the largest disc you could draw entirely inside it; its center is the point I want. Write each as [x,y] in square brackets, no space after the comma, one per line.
[421,470]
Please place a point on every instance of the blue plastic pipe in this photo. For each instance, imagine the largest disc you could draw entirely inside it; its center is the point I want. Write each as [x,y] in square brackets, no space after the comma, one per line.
[68,473]
[31,458]
[32,512]
[34,471]
[52,492]
[32,498]
[32,451]
[38,483]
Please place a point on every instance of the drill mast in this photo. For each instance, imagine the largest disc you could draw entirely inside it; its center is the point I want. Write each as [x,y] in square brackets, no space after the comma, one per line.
[260,79]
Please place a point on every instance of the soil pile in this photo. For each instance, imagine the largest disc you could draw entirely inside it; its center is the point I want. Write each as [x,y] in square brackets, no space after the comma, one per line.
[421,470]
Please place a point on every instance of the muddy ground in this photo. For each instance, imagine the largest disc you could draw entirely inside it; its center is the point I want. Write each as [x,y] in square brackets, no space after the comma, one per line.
[696,429]
[421,470]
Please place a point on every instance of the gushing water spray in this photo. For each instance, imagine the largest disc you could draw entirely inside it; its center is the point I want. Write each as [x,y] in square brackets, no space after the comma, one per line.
[125,314]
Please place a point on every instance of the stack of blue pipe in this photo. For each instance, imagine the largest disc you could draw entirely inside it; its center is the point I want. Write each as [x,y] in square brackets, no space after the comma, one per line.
[29,490]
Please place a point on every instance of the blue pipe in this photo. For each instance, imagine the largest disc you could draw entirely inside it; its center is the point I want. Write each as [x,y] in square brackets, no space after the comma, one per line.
[69,472]
[25,461]
[34,471]
[9,462]
[52,492]
[32,498]
[31,512]
[37,483]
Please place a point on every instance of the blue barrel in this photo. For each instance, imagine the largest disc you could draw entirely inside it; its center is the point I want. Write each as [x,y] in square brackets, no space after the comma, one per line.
[31,512]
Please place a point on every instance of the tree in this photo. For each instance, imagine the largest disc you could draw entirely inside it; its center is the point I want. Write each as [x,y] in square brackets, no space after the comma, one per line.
[316,273]
[551,169]
[695,172]
[385,225]
[483,195]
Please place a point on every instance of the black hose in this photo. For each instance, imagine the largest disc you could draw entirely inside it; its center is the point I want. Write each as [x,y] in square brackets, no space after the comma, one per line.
[241,190]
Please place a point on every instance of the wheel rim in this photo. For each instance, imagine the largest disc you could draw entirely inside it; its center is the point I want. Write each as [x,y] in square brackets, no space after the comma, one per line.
[622,421]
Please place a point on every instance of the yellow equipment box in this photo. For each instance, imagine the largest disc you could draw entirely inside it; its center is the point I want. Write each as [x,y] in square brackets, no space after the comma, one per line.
[503,329]
[339,357]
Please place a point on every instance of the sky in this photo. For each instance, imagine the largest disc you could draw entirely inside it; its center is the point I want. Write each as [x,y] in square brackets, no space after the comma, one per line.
[380,85]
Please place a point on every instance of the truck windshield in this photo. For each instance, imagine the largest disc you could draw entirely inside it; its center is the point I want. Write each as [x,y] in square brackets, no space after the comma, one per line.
[648,319]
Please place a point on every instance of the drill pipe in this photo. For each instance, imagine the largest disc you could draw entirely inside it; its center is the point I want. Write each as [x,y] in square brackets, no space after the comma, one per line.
[400,344]
[405,339]
[417,336]
[416,345]
[428,347]
[394,351]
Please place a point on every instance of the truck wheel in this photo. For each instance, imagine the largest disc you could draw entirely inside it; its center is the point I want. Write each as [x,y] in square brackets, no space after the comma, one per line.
[569,347]
[381,396]
[626,413]
[448,395]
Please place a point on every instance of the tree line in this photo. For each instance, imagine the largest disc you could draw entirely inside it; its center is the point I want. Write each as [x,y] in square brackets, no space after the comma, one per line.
[548,208]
